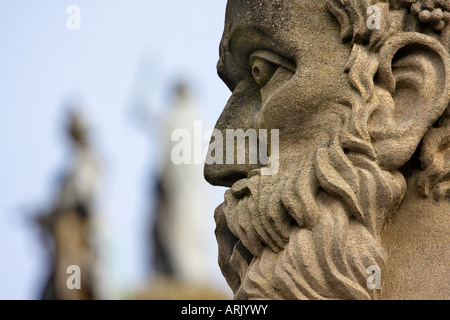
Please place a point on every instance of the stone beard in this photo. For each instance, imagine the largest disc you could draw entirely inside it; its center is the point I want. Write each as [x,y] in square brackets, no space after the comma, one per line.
[309,234]
[312,230]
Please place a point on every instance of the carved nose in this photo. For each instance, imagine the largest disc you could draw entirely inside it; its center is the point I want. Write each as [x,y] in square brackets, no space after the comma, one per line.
[238,114]
[226,174]
[227,162]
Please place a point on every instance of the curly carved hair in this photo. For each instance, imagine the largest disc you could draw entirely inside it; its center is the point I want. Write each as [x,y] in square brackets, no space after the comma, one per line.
[429,17]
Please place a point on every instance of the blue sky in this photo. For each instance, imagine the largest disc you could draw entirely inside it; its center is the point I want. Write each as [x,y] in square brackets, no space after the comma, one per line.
[123,49]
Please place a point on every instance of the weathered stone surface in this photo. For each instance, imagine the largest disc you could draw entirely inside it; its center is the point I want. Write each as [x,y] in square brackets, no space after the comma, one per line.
[359,91]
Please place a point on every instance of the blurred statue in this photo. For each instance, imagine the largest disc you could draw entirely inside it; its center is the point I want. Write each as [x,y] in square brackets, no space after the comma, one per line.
[178,227]
[67,228]
[181,216]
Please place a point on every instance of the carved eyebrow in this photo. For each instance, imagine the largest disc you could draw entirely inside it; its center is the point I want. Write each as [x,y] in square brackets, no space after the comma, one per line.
[272,58]
[239,46]
[245,42]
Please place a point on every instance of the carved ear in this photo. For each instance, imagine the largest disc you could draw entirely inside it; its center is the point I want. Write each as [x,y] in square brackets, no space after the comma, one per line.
[413,82]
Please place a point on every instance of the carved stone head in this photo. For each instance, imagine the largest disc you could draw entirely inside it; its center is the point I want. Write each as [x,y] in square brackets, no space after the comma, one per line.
[358,91]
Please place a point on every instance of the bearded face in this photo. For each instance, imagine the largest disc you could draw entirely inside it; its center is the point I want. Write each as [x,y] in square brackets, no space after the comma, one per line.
[313,229]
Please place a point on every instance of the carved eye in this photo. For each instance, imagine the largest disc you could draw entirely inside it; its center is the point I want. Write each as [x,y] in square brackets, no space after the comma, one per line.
[264,64]
[263,71]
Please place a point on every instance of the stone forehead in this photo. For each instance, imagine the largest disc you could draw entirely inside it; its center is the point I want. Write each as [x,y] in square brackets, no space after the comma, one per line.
[287,23]
[276,14]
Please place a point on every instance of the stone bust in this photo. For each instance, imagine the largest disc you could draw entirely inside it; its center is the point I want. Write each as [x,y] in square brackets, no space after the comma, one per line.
[359,92]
